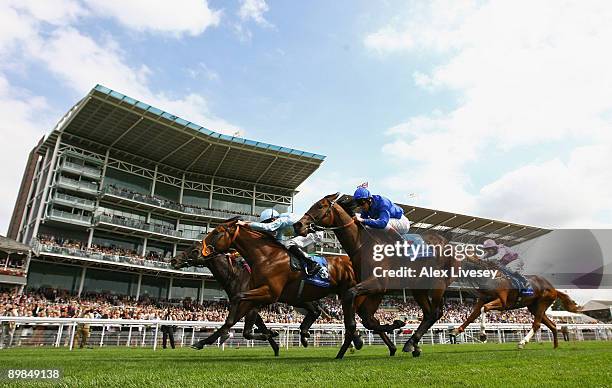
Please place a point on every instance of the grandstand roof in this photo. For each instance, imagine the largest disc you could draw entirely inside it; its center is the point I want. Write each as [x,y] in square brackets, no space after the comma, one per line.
[11,246]
[469,229]
[108,119]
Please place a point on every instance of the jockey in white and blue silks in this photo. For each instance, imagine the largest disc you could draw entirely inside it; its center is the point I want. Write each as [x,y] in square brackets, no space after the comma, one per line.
[380,213]
[281,226]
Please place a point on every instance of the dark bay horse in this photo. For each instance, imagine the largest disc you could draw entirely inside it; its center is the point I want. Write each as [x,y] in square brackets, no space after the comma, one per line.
[233,280]
[334,213]
[273,281]
[499,294]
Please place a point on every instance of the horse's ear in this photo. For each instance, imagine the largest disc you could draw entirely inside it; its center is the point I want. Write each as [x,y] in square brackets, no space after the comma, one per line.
[332,196]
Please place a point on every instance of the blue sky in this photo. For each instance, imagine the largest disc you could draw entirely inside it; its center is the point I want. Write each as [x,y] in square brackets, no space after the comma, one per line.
[455,102]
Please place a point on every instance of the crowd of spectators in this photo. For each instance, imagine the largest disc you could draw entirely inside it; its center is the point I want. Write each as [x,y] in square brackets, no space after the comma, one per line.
[165,203]
[112,253]
[56,303]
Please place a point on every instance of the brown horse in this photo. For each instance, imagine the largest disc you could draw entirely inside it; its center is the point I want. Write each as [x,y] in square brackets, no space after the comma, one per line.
[272,280]
[334,213]
[234,280]
[499,294]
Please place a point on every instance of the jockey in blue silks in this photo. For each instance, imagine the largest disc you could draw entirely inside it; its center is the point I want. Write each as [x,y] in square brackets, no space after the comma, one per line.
[380,213]
[281,226]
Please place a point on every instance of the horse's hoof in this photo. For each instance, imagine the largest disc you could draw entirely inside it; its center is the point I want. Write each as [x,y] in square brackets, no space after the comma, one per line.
[392,352]
[197,346]
[408,347]
[304,341]
[273,333]
[339,357]
[358,342]
[416,353]
[521,346]
[483,337]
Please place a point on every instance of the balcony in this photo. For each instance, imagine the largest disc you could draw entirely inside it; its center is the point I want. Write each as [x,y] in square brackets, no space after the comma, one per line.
[69,200]
[71,184]
[60,215]
[165,207]
[140,227]
[81,170]
[131,261]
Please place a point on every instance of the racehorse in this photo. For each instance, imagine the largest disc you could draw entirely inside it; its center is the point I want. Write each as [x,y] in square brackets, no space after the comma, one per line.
[233,280]
[499,294]
[273,281]
[335,213]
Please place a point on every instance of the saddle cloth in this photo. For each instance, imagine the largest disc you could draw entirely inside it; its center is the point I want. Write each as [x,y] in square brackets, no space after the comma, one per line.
[321,278]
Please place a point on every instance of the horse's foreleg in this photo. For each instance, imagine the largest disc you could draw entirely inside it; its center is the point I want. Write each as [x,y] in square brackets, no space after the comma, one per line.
[235,315]
[538,314]
[267,334]
[471,318]
[367,309]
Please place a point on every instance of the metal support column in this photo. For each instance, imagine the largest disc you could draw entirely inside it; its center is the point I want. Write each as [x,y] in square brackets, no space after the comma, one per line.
[154,180]
[36,191]
[82,281]
[43,199]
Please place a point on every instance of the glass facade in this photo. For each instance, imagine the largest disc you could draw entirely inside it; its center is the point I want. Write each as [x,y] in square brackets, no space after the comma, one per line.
[126,180]
[51,275]
[154,287]
[110,282]
[186,288]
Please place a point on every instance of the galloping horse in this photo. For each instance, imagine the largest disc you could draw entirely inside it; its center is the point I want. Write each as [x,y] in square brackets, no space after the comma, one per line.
[499,294]
[271,278]
[333,213]
[233,280]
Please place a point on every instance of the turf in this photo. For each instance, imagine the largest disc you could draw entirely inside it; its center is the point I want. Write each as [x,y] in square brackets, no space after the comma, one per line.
[465,365]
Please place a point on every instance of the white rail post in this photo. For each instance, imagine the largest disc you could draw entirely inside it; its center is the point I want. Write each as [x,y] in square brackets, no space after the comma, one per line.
[102,335]
[155,337]
[129,339]
[72,333]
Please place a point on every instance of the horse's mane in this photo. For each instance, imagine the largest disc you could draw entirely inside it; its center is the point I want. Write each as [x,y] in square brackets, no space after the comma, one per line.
[268,237]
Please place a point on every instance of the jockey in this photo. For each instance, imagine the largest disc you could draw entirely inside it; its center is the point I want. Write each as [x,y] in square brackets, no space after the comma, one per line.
[508,260]
[380,213]
[281,225]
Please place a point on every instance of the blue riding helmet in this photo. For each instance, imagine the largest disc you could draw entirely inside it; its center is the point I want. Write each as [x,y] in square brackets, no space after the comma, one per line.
[268,214]
[361,193]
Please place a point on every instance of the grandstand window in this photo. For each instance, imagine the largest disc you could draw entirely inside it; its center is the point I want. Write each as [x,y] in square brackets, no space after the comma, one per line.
[50,275]
[154,287]
[168,192]
[110,282]
[126,180]
[195,198]
[231,204]
[186,288]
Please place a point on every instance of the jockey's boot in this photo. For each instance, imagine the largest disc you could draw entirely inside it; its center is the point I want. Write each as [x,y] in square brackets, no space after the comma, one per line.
[312,267]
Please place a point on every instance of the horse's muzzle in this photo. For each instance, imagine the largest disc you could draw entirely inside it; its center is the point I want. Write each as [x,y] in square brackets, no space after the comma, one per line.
[299,229]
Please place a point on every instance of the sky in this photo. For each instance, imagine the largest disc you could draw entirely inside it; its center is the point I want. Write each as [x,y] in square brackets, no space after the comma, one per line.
[496,109]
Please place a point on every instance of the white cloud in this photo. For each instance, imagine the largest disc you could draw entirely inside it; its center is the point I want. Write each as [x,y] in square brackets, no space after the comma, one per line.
[528,74]
[25,119]
[45,33]
[174,17]
[254,10]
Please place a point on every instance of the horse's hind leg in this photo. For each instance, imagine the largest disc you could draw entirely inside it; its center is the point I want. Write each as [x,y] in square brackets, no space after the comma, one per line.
[314,312]
[553,328]
[475,314]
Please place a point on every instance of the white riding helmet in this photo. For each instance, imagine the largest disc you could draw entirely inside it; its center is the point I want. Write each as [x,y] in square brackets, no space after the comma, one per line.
[268,214]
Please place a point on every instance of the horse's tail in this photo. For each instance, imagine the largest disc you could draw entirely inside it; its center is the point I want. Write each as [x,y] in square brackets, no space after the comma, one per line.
[567,302]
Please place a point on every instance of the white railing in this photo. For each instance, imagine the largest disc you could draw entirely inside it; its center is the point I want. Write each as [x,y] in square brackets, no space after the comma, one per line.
[61,332]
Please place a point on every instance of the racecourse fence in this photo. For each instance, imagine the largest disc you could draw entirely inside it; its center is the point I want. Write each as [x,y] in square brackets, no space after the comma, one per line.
[61,332]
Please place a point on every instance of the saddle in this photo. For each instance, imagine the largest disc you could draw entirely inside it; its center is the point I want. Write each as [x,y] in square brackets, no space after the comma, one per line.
[519,282]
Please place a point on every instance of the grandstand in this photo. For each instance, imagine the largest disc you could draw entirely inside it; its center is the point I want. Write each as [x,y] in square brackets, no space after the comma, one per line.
[119,186]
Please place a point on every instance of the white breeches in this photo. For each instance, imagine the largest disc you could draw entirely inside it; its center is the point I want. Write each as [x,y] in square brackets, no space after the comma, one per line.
[304,241]
[400,225]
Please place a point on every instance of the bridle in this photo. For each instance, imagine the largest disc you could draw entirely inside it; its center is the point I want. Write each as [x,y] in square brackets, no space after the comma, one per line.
[209,250]
[314,226]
